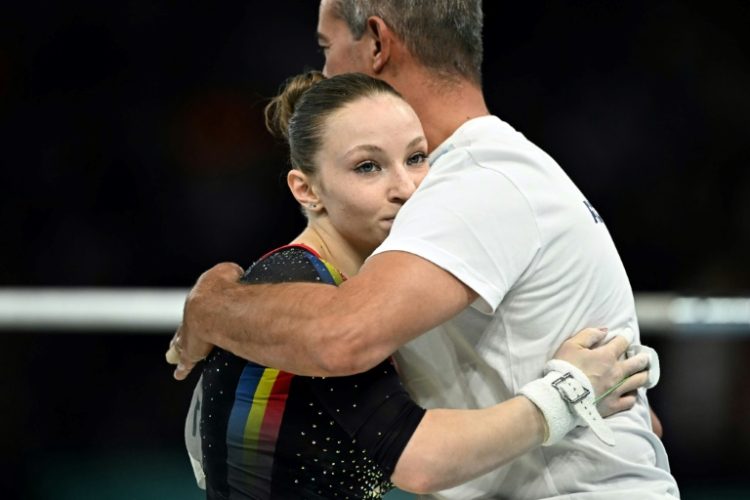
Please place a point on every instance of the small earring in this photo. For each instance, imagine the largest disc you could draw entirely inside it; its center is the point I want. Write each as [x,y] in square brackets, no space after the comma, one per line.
[313,205]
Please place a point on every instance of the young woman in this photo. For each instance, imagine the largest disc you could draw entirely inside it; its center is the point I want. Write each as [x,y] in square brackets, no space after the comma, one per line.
[358,152]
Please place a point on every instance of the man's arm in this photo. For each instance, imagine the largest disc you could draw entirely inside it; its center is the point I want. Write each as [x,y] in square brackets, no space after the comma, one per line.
[319,330]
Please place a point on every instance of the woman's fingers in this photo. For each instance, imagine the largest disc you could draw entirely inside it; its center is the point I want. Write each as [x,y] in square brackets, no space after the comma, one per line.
[589,337]
[617,345]
[632,383]
[635,364]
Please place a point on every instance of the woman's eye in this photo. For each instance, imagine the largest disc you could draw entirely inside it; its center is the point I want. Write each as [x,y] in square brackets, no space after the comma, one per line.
[367,167]
[417,159]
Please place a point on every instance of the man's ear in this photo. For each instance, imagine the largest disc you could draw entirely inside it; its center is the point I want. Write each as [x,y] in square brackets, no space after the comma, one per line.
[383,39]
[303,190]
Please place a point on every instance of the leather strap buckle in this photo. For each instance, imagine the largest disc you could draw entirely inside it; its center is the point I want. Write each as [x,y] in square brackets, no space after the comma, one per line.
[566,390]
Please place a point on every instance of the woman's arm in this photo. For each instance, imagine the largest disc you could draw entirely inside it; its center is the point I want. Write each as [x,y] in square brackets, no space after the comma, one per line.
[450,447]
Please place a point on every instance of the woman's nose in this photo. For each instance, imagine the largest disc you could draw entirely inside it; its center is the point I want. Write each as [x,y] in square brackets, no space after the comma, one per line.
[403,184]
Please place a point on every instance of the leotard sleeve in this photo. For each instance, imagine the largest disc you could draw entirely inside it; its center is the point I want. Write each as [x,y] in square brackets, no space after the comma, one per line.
[372,407]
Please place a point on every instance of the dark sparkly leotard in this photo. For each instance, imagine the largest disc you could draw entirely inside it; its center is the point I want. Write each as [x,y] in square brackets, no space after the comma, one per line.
[268,434]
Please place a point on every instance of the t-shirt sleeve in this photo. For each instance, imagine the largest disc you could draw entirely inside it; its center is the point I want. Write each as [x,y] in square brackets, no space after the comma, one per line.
[474,223]
[374,409]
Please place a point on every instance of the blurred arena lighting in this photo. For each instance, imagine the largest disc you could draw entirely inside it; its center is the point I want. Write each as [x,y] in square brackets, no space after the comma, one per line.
[159,310]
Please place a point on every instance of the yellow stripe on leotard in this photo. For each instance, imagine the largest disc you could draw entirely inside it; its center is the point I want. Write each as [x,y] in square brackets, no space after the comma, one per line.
[335,274]
[258,409]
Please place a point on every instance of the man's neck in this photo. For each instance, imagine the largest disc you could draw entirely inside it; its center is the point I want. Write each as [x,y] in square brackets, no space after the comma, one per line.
[442,107]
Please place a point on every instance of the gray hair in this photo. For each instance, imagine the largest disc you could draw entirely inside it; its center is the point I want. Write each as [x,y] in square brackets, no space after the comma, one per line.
[444,35]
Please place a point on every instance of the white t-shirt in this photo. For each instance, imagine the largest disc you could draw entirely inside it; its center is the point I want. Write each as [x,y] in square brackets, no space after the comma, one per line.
[500,215]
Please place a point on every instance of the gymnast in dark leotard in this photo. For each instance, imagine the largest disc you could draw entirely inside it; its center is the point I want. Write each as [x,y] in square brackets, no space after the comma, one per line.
[270,434]
[266,433]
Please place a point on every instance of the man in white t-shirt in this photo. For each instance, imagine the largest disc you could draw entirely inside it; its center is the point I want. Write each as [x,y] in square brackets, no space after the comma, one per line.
[517,241]
[497,252]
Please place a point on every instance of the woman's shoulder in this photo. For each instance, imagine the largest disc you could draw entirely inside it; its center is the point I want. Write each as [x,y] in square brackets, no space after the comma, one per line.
[292,263]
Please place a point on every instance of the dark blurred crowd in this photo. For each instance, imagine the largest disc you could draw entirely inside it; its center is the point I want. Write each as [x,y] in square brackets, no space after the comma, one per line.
[135,152]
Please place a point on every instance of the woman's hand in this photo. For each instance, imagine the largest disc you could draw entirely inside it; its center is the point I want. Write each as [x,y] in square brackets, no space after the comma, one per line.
[606,367]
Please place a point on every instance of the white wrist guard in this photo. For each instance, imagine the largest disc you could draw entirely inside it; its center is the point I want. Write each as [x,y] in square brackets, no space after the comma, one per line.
[565,397]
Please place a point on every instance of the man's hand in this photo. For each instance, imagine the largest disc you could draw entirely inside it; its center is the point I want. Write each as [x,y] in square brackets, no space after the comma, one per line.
[185,354]
[604,368]
[189,344]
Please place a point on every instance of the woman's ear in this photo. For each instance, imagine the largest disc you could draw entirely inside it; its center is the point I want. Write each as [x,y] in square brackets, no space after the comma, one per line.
[303,190]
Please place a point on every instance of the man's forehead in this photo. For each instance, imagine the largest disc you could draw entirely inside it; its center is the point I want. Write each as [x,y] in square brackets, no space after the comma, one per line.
[329,24]
[323,16]
[325,7]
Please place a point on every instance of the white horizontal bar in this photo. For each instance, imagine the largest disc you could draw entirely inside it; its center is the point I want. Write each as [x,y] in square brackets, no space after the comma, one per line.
[160,309]
[87,309]
[666,312]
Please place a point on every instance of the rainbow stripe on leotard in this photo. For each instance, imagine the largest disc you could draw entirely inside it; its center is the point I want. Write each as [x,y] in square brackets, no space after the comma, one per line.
[260,400]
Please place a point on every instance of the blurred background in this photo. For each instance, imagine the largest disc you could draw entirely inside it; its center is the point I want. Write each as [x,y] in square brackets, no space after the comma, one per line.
[134,155]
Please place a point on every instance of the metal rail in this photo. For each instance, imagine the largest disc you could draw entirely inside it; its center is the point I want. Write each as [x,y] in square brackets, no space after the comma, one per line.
[158,310]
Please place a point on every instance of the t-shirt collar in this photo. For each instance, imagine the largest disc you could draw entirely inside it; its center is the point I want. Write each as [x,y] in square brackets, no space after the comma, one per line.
[464,135]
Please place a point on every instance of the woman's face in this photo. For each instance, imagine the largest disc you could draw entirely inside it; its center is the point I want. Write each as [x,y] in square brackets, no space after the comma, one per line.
[373,157]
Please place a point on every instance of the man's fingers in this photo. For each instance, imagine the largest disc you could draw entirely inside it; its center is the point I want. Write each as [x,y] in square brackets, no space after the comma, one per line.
[184,365]
[173,357]
[173,353]
[228,270]
[187,348]
[589,337]
[183,370]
